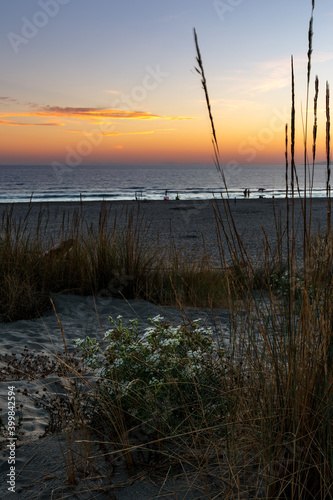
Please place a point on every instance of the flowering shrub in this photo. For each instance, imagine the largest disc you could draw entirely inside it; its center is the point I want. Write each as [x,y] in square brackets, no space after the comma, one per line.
[166,377]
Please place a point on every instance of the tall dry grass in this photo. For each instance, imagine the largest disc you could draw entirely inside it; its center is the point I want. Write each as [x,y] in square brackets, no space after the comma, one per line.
[284,405]
[108,258]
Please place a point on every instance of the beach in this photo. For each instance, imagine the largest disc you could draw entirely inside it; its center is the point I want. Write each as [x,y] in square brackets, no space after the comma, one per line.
[190,225]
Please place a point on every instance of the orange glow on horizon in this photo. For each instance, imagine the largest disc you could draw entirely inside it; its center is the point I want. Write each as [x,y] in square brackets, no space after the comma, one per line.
[254,140]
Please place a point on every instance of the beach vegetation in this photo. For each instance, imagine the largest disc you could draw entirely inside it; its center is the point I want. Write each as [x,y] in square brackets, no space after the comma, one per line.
[107,259]
[166,379]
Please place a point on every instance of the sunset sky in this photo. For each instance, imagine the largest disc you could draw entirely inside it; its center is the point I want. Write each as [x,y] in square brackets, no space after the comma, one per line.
[113,82]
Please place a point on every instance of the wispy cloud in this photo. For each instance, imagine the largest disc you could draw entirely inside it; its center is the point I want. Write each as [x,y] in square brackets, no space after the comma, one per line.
[102,113]
[70,117]
[269,84]
[260,78]
[275,74]
[91,114]
[117,134]
[109,134]
[22,124]
[5,100]
[95,113]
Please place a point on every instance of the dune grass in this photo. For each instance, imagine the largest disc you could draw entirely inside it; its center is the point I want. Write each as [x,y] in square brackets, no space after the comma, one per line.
[285,402]
[107,259]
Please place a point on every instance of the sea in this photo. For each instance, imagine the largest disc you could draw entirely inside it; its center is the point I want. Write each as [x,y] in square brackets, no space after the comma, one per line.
[38,183]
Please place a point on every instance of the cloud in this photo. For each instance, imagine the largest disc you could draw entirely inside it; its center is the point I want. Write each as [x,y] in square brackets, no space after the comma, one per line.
[269,84]
[117,134]
[95,113]
[108,134]
[276,74]
[260,78]
[21,124]
[100,117]
[101,113]
[91,114]
[273,75]
[7,100]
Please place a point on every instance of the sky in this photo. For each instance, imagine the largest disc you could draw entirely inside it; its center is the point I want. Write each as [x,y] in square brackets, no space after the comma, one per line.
[114,81]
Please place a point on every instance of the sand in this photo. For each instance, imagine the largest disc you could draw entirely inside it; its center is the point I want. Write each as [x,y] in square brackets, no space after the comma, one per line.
[186,223]
[39,461]
[40,471]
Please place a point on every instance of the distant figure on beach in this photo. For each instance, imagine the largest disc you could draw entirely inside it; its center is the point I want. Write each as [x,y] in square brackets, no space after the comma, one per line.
[245,193]
[248,193]
[166,197]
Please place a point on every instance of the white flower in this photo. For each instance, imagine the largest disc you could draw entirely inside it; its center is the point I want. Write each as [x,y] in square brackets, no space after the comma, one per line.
[157,318]
[148,331]
[153,381]
[153,357]
[79,342]
[118,362]
[108,333]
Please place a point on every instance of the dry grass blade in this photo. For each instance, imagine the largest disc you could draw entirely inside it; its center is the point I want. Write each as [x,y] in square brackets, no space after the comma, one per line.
[201,72]
[286,158]
[305,225]
[293,128]
[314,146]
[328,158]
[315,129]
